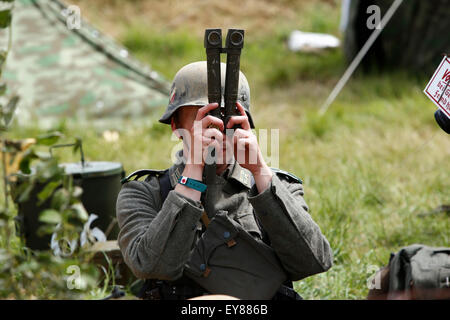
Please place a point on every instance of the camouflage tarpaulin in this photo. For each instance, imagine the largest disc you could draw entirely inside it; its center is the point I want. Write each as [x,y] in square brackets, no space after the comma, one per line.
[77,73]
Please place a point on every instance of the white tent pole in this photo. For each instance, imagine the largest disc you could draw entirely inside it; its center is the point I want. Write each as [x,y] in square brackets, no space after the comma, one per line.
[356,61]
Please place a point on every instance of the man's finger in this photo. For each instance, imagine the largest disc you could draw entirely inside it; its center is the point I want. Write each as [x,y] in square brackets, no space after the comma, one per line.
[209,133]
[211,120]
[240,133]
[201,113]
[207,141]
[242,143]
[241,108]
[242,120]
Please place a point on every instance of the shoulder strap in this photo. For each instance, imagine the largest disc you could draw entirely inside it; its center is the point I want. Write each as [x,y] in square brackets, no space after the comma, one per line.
[164,185]
[162,175]
[288,175]
[140,173]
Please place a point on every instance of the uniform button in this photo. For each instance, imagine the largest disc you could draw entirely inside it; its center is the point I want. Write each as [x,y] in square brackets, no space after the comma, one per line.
[226,234]
[202,267]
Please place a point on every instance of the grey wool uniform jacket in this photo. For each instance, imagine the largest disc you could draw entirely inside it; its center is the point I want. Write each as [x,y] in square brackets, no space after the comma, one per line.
[156,239]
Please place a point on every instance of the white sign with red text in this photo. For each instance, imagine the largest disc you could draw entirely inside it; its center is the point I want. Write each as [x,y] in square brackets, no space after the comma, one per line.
[438,89]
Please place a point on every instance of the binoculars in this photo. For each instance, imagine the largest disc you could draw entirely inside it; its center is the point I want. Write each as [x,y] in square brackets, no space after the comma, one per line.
[233,45]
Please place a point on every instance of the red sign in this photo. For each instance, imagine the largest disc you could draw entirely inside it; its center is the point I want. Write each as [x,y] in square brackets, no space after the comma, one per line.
[438,89]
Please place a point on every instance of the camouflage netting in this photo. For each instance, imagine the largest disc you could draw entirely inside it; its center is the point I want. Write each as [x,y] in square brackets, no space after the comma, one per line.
[78,73]
[414,39]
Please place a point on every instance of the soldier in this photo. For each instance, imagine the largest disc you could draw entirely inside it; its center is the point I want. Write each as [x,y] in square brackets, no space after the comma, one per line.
[243,230]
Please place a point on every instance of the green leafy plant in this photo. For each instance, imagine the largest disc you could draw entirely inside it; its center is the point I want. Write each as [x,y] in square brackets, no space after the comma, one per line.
[64,215]
[43,274]
[25,273]
[7,109]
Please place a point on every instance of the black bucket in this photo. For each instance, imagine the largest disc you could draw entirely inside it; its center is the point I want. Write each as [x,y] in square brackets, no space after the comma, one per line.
[100,181]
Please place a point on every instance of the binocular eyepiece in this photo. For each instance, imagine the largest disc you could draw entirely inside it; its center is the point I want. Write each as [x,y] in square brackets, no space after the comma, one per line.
[234,39]
[442,120]
[213,39]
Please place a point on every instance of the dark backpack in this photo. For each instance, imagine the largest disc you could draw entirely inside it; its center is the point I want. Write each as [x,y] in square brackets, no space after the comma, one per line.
[415,272]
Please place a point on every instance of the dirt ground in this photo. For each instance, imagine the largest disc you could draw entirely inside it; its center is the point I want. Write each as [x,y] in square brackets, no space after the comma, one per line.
[255,16]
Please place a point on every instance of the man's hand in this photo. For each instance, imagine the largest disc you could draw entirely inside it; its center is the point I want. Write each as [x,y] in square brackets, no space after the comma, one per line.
[196,143]
[205,132]
[246,150]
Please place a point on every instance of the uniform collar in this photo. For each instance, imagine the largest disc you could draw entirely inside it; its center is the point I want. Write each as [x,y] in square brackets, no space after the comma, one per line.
[176,170]
[233,172]
[239,174]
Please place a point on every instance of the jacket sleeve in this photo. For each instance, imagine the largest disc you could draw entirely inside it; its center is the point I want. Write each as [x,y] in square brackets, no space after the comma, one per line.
[155,243]
[295,237]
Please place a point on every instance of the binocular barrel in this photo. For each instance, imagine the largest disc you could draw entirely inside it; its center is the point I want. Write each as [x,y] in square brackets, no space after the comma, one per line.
[213,45]
[233,45]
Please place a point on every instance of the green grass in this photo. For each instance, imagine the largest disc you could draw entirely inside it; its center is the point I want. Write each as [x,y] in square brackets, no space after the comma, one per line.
[265,58]
[370,165]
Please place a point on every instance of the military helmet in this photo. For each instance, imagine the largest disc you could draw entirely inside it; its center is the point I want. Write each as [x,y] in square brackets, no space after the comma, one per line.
[190,88]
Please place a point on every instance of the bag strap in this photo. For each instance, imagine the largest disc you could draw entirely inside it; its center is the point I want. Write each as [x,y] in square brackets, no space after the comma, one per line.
[164,185]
